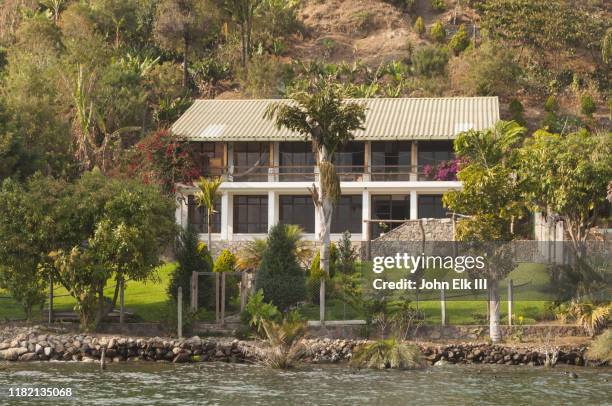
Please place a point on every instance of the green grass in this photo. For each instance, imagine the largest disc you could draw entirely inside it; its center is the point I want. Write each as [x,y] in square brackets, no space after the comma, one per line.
[147,300]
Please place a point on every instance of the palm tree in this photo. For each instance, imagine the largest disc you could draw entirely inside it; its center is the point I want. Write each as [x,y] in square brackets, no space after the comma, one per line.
[490,199]
[321,115]
[205,197]
[249,257]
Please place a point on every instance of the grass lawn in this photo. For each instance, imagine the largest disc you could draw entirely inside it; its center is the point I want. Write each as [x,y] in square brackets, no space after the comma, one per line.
[148,300]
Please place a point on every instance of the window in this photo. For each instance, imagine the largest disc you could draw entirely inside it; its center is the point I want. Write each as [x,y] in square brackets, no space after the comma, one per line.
[296,161]
[251,161]
[389,207]
[197,218]
[349,159]
[430,206]
[250,214]
[297,210]
[347,215]
[209,157]
[434,152]
[391,160]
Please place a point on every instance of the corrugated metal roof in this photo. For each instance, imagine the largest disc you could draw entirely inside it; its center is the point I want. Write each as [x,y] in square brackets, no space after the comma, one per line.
[386,119]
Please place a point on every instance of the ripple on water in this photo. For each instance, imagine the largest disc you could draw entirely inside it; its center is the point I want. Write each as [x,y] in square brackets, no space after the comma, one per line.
[219,383]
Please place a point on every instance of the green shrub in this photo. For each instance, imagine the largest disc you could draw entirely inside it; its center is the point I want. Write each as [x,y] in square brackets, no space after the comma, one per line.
[419,26]
[257,311]
[551,105]
[279,274]
[487,70]
[437,32]
[226,262]
[191,255]
[460,41]
[438,5]
[264,77]
[516,111]
[429,60]
[346,254]
[587,105]
[313,282]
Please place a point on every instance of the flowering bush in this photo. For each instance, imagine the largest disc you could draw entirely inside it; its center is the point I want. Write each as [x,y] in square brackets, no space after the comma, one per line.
[160,158]
[445,170]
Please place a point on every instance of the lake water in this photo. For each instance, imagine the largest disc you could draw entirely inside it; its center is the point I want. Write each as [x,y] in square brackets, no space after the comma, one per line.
[238,384]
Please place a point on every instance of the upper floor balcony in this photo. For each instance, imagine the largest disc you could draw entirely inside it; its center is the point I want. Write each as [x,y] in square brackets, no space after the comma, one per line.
[375,161]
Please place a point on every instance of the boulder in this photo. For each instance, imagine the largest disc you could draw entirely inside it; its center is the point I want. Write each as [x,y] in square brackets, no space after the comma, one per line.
[12,354]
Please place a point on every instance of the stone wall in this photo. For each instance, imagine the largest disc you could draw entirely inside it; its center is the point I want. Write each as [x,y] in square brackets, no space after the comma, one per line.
[36,345]
[415,230]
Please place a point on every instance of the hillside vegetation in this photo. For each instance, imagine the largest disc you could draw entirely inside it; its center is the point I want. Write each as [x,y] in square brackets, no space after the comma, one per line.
[92,83]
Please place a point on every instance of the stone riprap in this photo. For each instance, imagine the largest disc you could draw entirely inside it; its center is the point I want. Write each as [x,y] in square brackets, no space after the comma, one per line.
[36,345]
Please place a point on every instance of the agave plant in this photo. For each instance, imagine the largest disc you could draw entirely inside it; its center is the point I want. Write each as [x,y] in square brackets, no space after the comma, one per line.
[284,346]
[389,353]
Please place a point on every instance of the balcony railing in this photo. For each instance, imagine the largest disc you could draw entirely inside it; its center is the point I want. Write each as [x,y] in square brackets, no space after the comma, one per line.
[347,173]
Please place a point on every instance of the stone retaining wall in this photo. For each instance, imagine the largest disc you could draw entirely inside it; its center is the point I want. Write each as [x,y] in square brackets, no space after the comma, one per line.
[35,345]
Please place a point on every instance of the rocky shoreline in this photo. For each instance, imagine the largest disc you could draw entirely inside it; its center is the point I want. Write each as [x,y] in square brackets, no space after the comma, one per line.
[33,344]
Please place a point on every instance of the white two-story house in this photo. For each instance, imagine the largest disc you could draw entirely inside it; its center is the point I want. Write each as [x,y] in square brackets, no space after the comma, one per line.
[397,168]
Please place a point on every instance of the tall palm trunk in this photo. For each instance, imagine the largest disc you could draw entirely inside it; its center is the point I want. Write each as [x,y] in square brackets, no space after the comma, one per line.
[324,209]
[494,329]
[185,51]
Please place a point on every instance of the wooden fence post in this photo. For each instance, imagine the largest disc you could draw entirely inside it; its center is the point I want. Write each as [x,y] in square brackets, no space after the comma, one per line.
[243,291]
[217,297]
[50,298]
[443,306]
[122,303]
[180,312]
[194,291]
[510,299]
[223,298]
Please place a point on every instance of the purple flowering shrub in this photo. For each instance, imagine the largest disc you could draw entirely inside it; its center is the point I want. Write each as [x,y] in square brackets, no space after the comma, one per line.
[445,170]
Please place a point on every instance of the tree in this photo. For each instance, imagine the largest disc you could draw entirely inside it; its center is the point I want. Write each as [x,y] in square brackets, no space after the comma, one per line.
[487,70]
[460,41]
[419,26]
[490,199]
[328,121]
[116,15]
[279,274]
[567,176]
[108,228]
[191,256]
[437,32]
[28,233]
[243,12]
[181,24]
[206,196]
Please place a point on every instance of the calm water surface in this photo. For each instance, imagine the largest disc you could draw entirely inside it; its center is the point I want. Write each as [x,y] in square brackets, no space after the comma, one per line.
[237,384]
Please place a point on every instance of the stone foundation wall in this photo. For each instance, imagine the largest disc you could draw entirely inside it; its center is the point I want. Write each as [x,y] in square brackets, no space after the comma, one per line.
[415,230]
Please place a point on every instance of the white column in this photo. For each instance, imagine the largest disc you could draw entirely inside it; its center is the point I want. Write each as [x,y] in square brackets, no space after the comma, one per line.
[365,215]
[414,205]
[230,160]
[368,161]
[414,160]
[178,211]
[225,216]
[275,162]
[272,209]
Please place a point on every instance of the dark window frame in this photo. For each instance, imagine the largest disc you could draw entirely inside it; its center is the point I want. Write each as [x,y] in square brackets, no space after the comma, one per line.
[253,209]
[294,209]
[394,211]
[343,217]
[197,218]
[433,204]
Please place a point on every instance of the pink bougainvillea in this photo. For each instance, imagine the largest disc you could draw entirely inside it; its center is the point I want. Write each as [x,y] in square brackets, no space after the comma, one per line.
[445,170]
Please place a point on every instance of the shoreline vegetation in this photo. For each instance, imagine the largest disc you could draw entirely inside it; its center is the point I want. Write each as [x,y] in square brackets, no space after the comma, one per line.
[36,343]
